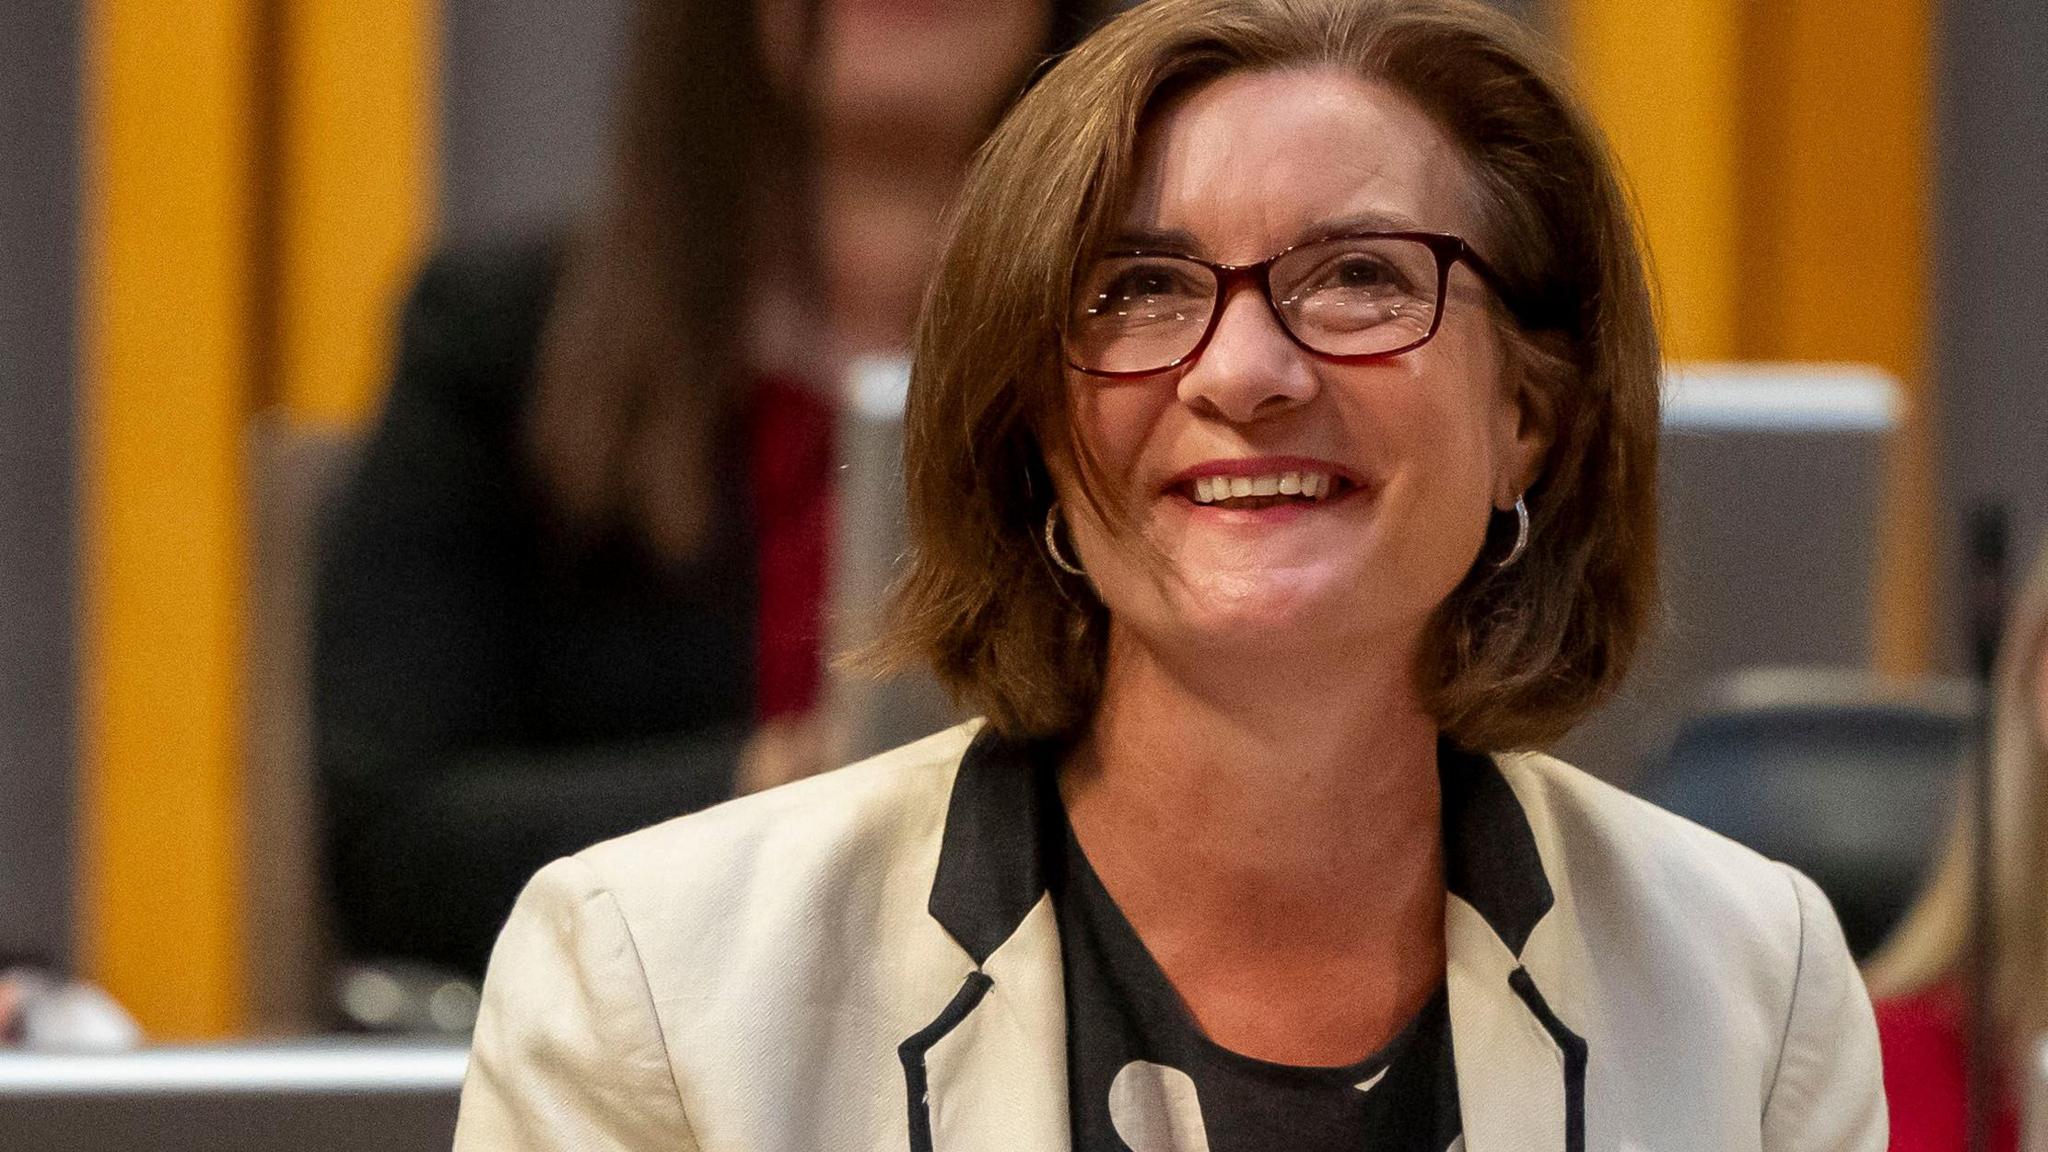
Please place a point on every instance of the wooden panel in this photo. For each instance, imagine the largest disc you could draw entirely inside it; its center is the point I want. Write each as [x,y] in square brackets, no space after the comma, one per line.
[166,373]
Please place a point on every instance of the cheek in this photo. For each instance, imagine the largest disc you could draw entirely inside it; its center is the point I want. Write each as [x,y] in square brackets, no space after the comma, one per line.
[1443,423]
[1113,423]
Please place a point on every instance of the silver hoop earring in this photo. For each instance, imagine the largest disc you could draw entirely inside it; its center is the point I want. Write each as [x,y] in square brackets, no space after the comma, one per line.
[1521,535]
[1052,543]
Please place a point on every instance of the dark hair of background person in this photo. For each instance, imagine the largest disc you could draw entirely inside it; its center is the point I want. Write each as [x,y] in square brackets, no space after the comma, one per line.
[643,360]
[1517,655]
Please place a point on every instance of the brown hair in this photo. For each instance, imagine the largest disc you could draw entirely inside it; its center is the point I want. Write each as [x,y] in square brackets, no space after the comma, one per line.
[1517,655]
[641,366]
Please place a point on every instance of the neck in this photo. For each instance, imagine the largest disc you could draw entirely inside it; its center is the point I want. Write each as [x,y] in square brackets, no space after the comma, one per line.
[1296,775]
[1280,829]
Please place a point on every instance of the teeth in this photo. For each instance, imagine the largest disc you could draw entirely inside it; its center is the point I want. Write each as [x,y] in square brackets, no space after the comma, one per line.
[1213,489]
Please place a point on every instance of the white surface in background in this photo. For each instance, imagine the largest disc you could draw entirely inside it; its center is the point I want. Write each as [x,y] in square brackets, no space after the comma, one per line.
[878,386]
[1772,397]
[1762,396]
[355,1068]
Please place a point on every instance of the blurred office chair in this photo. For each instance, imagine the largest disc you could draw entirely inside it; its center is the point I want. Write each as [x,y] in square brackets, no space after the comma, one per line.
[1844,776]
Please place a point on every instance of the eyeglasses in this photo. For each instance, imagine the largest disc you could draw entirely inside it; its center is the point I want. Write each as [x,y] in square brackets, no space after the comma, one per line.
[1350,299]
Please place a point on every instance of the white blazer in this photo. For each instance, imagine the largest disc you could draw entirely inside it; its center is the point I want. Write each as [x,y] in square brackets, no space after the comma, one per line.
[868,960]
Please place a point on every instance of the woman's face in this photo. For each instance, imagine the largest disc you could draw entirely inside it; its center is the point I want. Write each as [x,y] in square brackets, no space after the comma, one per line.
[1421,448]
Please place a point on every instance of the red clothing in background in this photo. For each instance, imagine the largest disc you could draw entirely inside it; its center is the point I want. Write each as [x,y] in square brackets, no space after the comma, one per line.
[1925,1052]
[791,461]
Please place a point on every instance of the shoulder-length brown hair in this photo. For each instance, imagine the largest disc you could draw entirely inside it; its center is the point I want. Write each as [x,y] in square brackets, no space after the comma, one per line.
[1517,655]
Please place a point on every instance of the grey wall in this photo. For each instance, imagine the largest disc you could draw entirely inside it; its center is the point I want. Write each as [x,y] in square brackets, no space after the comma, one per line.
[526,112]
[38,226]
[1991,253]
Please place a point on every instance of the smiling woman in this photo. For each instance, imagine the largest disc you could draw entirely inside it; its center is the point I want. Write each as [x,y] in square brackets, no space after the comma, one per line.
[1281,457]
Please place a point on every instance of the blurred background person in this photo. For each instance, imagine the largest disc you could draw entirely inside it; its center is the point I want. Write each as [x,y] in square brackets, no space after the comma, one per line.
[577,584]
[1918,977]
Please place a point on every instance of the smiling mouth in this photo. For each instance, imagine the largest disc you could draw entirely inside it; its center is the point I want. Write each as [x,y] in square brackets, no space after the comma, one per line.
[1249,493]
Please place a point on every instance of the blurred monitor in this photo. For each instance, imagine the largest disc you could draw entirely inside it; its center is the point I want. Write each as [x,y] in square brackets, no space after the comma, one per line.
[867,556]
[322,1096]
[1770,497]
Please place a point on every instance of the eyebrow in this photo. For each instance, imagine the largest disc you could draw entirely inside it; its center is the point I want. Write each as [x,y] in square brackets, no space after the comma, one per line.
[1180,240]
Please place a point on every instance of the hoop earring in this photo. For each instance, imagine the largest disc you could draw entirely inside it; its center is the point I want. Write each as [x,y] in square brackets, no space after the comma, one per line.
[1052,543]
[1521,535]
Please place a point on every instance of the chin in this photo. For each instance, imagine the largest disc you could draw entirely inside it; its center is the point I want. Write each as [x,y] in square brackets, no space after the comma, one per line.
[1267,614]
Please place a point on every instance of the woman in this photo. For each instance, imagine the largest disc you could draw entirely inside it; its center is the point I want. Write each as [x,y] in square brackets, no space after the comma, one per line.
[577,583]
[1281,442]
[1918,975]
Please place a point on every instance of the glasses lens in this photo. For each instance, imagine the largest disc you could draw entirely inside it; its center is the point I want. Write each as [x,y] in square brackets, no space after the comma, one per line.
[1360,296]
[1138,313]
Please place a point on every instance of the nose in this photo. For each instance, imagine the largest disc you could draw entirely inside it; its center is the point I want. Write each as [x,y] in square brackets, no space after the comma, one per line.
[1250,369]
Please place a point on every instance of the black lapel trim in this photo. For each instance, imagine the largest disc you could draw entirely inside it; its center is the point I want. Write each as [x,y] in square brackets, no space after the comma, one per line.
[916,1079]
[990,873]
[1568,1042]
[1490,858]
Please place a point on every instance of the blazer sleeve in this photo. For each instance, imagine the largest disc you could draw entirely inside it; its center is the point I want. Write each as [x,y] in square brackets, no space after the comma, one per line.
[1828,1094]
[568,1054]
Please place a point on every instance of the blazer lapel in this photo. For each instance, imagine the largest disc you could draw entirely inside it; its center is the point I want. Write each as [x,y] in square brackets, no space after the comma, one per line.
[998,1081]
[1521,1069]
[1511,1076]
[989,1074]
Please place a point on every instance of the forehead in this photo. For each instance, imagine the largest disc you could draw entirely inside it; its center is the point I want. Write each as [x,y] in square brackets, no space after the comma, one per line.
[1252,162]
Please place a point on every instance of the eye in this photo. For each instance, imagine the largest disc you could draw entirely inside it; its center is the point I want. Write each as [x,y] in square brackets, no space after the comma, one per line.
[1118,283]
[1360,272]
[1152,280]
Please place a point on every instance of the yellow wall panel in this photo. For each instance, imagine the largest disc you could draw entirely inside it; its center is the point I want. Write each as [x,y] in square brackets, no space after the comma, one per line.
[1839,231]
[360,110]
[1782,157]
[1664,80]
[166,375]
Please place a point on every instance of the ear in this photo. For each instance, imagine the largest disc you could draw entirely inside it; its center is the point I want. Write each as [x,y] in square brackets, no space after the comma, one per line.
[1525,427]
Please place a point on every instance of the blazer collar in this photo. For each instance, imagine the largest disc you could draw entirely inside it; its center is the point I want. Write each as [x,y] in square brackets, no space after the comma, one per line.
[991,871]
[983,1076]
